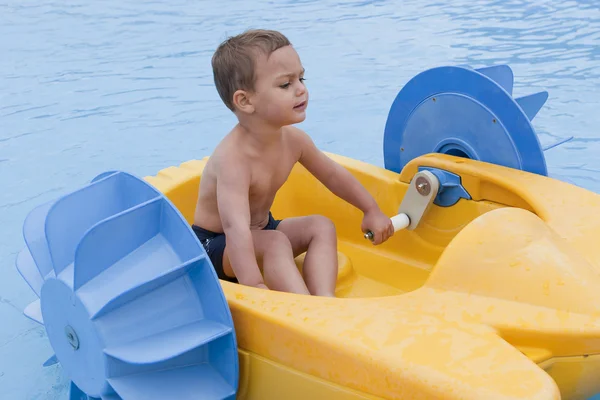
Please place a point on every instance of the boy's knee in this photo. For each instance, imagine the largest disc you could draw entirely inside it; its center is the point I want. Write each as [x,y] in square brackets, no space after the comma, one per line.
[277,241]
[322,225]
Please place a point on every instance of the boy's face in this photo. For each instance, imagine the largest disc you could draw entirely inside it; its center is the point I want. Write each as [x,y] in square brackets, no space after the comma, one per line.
[280,96]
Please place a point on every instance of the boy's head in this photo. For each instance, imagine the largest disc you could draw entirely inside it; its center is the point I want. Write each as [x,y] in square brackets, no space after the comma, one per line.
[259,73]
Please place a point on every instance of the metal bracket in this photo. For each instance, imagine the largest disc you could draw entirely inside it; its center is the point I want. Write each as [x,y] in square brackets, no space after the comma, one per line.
[451,188]
[421,193]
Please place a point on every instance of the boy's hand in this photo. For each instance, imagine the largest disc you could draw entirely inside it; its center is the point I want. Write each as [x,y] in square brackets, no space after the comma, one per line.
[379,224]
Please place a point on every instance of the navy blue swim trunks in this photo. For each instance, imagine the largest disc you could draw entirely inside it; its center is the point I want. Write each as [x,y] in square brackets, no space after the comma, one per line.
[214,244]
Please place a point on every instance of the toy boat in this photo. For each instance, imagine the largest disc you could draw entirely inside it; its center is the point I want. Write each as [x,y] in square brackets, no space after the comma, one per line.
[491,290]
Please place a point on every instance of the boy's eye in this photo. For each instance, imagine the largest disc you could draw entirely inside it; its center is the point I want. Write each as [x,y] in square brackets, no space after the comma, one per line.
[287,84]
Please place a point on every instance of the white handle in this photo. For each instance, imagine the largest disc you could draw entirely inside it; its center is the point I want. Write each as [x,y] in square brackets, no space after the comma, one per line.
[400,221]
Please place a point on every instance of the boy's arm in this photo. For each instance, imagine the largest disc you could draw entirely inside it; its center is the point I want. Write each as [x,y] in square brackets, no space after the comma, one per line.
[233,183]
[344,185]
[335,177]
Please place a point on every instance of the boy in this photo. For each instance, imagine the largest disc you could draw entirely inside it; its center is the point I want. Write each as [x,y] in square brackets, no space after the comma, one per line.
[259,77]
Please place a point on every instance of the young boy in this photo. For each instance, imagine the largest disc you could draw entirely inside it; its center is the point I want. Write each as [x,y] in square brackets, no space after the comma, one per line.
[259,77]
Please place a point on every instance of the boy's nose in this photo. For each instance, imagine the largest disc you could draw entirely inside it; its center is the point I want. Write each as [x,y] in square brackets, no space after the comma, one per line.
[301,89]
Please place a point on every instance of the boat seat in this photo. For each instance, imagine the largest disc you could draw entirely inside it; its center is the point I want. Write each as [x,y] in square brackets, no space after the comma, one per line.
[346,272]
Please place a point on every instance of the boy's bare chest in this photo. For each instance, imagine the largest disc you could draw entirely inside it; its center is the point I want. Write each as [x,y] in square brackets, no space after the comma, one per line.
[269,174]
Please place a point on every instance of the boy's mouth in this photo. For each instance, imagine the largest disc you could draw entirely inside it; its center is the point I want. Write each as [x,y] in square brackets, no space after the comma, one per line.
[300,106]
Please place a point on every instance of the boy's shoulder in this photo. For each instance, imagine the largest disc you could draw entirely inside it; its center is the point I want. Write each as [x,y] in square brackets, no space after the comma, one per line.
[300,140]
[297,136]
[227,156]
[230,151]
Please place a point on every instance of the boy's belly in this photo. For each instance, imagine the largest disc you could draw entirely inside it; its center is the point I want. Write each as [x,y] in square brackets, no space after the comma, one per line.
[259,212]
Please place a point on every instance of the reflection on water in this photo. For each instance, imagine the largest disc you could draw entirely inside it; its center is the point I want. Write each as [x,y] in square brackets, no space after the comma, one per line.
[87,87]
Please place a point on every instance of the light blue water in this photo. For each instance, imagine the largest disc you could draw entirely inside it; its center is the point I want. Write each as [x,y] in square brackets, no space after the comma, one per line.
[92,86]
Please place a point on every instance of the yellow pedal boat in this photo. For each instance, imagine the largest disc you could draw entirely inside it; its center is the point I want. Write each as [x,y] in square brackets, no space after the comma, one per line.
[496,297]
[493,293]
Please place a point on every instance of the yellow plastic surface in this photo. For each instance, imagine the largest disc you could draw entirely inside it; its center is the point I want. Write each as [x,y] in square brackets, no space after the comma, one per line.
[493,298]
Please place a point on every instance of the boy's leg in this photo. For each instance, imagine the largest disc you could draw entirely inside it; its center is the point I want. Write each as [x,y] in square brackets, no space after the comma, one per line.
[316,235]
[274,253]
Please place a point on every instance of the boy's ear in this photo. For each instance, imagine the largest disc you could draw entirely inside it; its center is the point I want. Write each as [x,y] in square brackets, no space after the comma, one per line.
[243,102]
